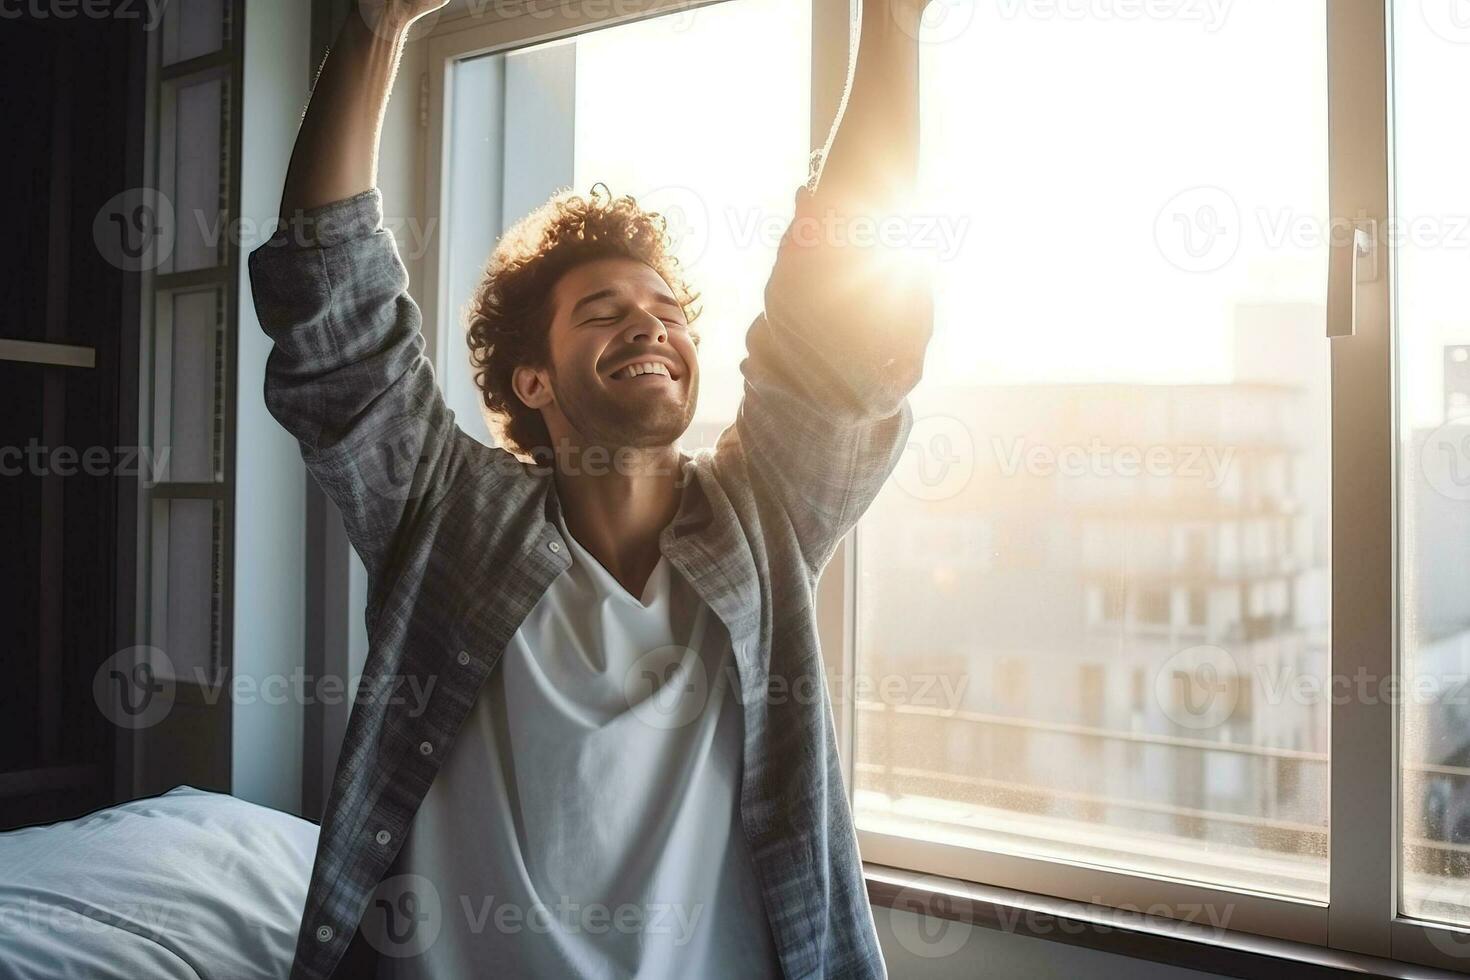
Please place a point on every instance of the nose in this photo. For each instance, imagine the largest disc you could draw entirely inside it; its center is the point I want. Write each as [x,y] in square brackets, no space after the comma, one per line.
[647,329]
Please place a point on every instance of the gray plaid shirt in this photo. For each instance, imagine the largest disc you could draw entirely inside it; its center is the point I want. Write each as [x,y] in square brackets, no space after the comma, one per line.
[460,541]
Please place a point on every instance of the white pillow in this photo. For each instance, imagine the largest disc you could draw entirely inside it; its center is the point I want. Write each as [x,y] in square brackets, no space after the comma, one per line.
[190,885]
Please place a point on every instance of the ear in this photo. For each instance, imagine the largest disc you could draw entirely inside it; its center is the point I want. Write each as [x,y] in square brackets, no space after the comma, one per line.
[532,387]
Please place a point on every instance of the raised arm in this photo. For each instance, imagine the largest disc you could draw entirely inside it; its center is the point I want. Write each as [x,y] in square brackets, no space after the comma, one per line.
[871,156]
[347,376]
[848,313]
[336,155]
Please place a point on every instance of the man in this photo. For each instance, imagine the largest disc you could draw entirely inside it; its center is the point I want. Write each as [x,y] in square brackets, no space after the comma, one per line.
[627,764]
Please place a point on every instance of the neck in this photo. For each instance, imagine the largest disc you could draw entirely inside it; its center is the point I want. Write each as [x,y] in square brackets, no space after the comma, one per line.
[616,504]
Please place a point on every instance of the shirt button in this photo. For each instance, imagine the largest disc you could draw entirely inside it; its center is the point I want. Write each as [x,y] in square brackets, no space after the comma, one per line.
[324,934]
[555,547]
[384,837]
[464,659]
[425,748]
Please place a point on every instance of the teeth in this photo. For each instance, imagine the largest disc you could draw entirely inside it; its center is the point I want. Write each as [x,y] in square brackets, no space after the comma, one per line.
[648,367]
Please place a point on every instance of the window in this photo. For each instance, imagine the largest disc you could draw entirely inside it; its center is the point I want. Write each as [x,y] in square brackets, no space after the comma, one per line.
[721,161]
[1115,337]
[1432,238]
[1149,529]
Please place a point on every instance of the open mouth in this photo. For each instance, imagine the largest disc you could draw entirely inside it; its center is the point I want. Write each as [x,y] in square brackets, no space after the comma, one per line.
[644,369]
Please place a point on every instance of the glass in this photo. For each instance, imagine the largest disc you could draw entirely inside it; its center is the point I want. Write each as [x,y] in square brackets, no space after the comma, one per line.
[188,585]
[647,108]
[1093,603]
[1431,233]
[189,416]
[193,152]
[192,28]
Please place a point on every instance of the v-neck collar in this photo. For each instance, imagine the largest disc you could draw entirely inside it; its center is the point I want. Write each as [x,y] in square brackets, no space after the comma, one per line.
[654,590]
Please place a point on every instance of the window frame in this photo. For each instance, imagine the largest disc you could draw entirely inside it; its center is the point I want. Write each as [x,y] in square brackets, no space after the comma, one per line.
[1361,916]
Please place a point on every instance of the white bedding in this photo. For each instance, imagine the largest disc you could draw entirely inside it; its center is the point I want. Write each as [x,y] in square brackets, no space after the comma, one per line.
[189,885]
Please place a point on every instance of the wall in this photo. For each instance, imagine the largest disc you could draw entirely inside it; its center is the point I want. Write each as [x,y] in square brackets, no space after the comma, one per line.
[270,515]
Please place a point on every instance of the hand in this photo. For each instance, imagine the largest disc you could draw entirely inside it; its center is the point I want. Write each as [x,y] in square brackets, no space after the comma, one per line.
[392,18]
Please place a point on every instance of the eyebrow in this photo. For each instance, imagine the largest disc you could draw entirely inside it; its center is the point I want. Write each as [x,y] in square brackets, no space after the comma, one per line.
[662,297]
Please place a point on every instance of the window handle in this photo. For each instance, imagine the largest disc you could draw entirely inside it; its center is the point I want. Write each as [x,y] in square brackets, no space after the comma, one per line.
[1354,262]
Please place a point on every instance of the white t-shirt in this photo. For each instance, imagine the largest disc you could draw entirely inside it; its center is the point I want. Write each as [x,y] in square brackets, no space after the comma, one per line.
[586,821]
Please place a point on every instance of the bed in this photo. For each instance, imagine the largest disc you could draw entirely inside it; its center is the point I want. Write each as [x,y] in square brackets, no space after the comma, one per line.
[190,885]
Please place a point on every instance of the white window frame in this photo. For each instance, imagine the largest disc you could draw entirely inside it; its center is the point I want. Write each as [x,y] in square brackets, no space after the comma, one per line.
[1361,915]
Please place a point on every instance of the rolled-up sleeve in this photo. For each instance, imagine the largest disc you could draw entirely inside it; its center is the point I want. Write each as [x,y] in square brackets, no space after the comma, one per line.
[829,366]
[347,375]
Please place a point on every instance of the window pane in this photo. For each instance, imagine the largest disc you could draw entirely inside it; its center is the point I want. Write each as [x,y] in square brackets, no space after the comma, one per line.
[192,28]
[187,585]
[1431,217]
[721,161]
[1093,602]
[192,151]
[189,414]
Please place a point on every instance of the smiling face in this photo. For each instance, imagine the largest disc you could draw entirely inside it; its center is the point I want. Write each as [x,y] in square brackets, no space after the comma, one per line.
[622,370]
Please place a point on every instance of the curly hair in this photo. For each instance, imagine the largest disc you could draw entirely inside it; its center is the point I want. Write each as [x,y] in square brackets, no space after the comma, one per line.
[508,319]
